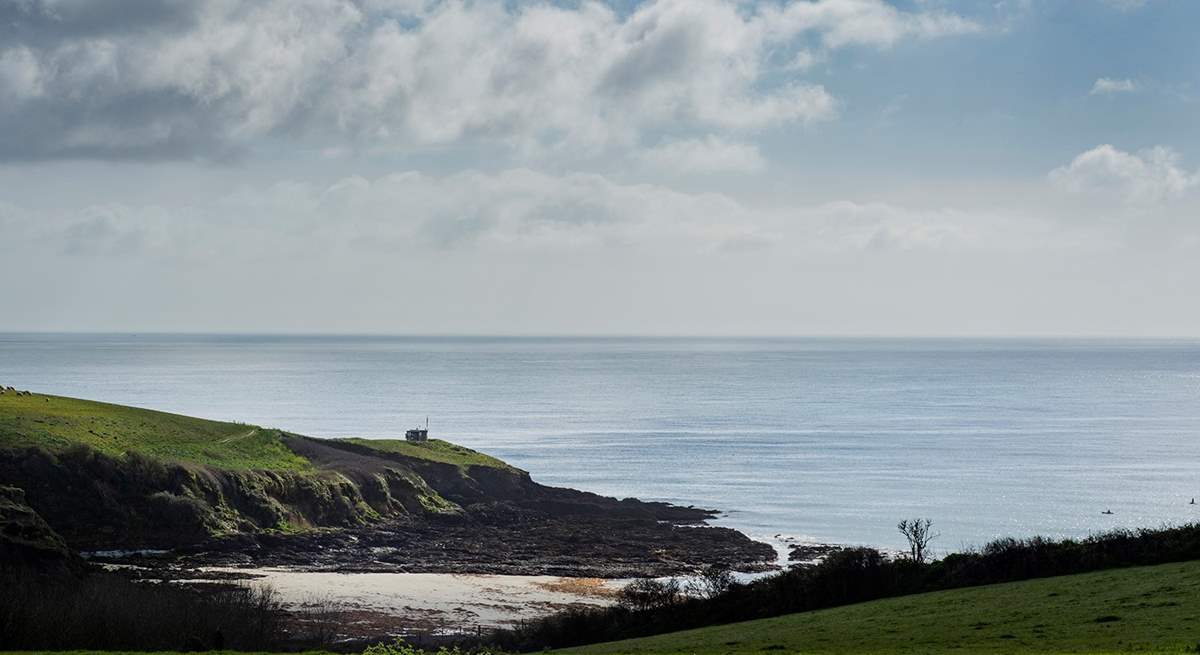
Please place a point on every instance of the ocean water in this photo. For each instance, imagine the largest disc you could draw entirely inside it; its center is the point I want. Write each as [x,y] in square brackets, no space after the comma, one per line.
[823,439]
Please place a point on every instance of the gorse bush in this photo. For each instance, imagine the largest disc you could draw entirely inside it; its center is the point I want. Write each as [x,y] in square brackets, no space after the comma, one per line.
[854,575]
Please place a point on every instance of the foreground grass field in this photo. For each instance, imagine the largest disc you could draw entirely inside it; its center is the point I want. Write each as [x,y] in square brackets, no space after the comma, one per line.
[1145,609]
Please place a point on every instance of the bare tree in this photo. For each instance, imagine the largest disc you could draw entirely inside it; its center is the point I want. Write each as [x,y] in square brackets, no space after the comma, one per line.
[711,582]
[919,534]
[648,593]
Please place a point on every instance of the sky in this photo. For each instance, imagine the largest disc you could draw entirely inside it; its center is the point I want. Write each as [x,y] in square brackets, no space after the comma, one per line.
[664,167]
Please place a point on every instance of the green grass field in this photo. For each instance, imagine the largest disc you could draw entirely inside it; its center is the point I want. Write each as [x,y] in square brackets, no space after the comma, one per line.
[1144,609]
[57,423]
[434,450]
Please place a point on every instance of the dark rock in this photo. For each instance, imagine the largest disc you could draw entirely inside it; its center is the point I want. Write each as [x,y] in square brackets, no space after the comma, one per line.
[26,541]
[808,552]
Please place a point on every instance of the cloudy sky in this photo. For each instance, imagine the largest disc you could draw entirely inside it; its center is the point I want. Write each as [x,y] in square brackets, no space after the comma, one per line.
[1010,167]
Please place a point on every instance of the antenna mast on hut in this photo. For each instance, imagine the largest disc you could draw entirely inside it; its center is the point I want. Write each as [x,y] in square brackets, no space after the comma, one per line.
[418,433]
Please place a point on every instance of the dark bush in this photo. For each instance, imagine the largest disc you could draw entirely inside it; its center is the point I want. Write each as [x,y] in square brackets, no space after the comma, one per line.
[107,612]
[649,594]
[711,582]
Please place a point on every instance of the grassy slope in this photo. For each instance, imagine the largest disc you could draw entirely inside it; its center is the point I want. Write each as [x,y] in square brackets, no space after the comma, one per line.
[1146,608]
[435,450]
[57,423]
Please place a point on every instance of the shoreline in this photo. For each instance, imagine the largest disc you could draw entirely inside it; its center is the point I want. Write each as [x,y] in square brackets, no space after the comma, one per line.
[602,547]
[422,606]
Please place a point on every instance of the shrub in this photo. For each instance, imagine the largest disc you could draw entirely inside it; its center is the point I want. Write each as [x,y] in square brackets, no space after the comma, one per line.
[711,582]
[106,612]
[649,593]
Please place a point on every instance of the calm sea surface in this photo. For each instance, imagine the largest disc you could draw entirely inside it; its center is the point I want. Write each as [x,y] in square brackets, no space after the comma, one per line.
[824,439]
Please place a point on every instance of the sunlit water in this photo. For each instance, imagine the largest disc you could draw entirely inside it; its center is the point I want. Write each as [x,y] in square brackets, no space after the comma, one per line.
[831,440]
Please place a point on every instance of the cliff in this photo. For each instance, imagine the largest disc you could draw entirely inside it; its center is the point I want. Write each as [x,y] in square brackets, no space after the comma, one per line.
[111,477]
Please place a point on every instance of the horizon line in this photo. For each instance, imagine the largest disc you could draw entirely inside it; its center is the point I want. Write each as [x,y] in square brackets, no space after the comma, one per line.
[613,336]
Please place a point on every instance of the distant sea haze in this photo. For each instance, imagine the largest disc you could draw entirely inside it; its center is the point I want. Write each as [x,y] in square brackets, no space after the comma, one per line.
[823,439]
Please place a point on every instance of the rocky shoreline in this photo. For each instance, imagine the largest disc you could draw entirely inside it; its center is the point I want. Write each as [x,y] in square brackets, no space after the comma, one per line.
[566,546]
[267,498]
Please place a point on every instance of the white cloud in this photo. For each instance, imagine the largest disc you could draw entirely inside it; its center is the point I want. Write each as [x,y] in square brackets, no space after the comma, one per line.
[220,74]
[852,225]
[803,60]
[863,22]
[522,208]
[1108,86]
[711,154]
[114,230]
[503,214]
[20,74]
[402,213]
[1148,176]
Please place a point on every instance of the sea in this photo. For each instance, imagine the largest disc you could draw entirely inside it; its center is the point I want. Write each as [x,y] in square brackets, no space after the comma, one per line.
[814,439]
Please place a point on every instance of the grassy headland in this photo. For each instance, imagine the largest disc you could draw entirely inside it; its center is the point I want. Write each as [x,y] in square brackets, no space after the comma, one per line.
[108,477]
[1152,608]
[434,450]
[101,473]
[57,423]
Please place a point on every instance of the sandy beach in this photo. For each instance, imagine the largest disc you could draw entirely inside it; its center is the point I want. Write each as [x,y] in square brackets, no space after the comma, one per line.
[439,603]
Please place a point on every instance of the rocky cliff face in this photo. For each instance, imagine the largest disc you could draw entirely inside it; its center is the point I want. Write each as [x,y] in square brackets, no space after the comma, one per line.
[100,502]
[358,508]
[26,540]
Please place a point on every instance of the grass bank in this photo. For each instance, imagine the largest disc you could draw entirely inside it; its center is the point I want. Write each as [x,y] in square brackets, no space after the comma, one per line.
[57,423]
[1146,609]
[434,450]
